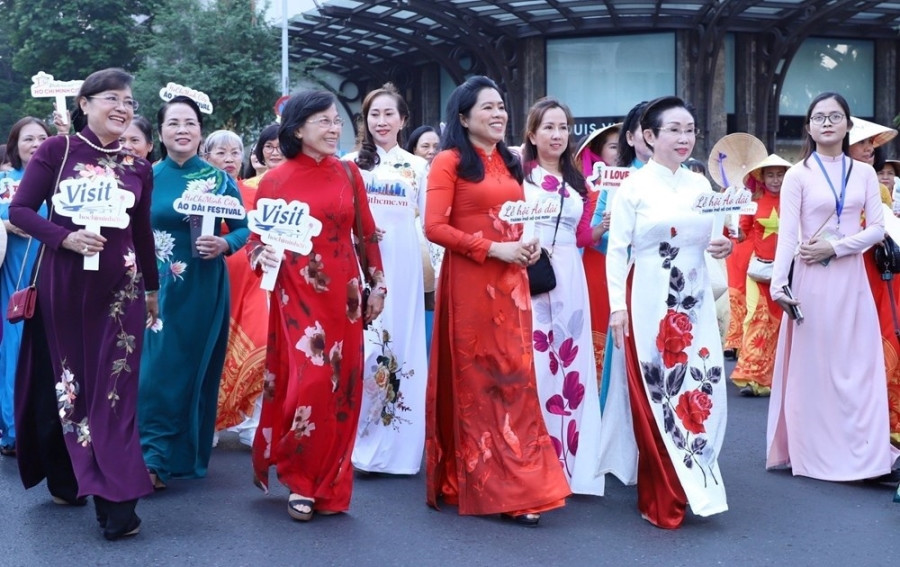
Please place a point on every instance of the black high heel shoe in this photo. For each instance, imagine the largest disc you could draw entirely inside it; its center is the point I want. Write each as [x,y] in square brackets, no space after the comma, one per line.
[527,520]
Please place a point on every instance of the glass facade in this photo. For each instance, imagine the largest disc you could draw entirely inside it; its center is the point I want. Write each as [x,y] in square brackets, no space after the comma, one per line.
[846,66]
[600,78]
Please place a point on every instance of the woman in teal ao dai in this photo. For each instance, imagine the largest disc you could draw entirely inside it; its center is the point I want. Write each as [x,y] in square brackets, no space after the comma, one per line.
[185,351]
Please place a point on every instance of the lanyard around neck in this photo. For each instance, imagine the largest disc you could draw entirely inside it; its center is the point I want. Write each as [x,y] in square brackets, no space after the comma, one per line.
[838,201]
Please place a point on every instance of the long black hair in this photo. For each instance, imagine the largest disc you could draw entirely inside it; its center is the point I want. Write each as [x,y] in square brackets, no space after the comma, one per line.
[571,174]
[367,158]
[456,136]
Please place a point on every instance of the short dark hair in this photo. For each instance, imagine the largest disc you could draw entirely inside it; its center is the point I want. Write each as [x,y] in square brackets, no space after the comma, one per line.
[12,143]
[651,118]
[112,79]
[161,117]
[455,136]
[809,145]
[416,134]
[295,114]
[268,134]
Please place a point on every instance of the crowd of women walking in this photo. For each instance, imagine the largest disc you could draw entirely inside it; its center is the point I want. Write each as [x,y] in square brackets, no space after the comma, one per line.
[420,324]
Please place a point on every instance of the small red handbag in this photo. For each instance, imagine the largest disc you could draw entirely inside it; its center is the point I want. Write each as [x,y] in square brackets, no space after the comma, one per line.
[21,304]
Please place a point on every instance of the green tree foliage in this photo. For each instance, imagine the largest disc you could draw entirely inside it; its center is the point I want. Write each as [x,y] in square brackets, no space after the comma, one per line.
[67,39]
[223,48]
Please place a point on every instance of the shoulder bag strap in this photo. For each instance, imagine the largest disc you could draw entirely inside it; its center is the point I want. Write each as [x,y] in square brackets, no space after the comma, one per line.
[360,239]
[562,196]
[37,265]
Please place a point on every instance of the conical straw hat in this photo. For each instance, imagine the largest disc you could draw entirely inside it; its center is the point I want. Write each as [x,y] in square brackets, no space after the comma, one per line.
[863,130]
[733,156]
[774,160]
[593,136]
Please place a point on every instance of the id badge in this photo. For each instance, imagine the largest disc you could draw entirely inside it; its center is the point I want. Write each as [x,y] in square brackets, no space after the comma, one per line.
[829,235]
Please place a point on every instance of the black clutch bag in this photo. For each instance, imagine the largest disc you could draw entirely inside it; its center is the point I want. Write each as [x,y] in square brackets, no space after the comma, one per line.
[541,277]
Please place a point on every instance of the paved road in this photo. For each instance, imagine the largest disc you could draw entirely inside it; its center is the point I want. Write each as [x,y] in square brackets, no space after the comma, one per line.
[774,519]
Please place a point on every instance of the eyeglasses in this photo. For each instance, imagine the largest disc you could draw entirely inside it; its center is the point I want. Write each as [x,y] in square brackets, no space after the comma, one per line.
[114,101]
[270,148]
[326,123]
[679,132]
[834,118]
[222,154]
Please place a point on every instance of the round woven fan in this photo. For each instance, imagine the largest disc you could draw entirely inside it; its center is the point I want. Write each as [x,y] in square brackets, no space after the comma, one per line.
[733,156]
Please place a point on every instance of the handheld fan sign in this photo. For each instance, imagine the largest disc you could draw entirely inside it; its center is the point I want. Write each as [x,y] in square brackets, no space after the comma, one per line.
[730,159]
[198,200]
[284,226]
[736,200]
[45,86]
[522,212]
[171,90]
[94,202]
[608,178]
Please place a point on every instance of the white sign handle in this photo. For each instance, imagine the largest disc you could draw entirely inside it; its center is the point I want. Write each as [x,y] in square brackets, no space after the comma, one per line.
[718,225]
[271,274]
[528,230]
[61,109]
[208,226]
[92,262]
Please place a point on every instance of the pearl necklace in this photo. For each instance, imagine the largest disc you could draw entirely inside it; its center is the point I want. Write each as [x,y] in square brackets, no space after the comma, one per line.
[99,148]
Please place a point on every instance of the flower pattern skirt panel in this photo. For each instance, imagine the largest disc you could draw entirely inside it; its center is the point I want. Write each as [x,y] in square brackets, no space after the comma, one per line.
[391,433]
[312,388]
[661,498]
[487,447]
[754,367]
[736,267]
[94,324]
[677,341]
[565,370]
[242,376]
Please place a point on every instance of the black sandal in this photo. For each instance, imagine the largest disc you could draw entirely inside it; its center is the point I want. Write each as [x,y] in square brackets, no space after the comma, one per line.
[300,507]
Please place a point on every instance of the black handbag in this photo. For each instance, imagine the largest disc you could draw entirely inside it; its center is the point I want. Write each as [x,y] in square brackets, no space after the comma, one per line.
[887,257]
[541,277]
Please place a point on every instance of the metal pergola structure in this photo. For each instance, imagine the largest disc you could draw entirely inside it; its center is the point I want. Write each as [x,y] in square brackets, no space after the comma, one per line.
[373,41]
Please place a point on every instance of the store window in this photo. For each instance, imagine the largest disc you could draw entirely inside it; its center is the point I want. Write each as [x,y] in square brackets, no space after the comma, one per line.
[846,66]
[600,78]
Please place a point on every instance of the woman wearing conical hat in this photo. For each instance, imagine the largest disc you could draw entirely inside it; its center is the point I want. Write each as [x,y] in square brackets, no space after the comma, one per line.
[753,372]
[866,140]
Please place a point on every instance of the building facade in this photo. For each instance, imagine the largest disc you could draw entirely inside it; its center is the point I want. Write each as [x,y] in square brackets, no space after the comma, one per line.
[749,66]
